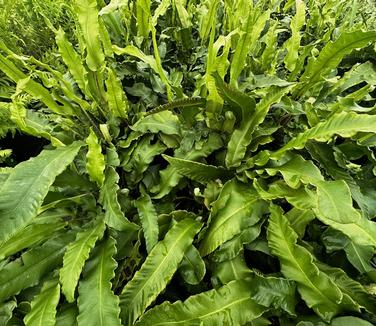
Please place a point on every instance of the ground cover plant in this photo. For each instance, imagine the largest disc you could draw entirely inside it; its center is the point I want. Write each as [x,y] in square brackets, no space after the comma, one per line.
[187,162]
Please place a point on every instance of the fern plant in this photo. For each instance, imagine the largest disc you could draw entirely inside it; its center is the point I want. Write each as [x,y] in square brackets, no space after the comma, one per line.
[203,167]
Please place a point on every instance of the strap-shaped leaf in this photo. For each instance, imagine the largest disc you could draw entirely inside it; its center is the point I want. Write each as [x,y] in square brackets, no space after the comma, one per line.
[6,311]
[157,270]
[316,288]
[117,101]
[113,216]
[22,194]
[345,124]
[229,305]
[97,304]
[76,255]
[72,60]
[143,17]
[179,104]
[95,161]
[164,122]
[43,306]
[28,237]
[149,220]
[237,207]
[30,86]
[242,136]
[331,55]
[28,270]
[293,43]
[197,171]
[87,14]
[335,209]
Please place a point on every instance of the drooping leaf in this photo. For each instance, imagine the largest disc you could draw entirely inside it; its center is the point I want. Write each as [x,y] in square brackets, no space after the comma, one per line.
[43,306]
[229,305]
[149,220]
[22,194]
[76,255]
[28,270]
[237,207]
[316,288]
[97,304]
[156,271]
[345,124]
[95,161]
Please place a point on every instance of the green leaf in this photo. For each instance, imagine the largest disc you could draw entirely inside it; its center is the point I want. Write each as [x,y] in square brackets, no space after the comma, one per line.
[293,43]
[76,255]
[29,237]
[345,124]
[237,207]
[33,88]
[179,104]
[316,288]
[6,311]
[87,14]
[231,248]
[72,60]
[95,161]
[67,316]
[164,122]
[117,101]
[143,17]
[22,194]
[242,137]
[157,270]
[229,305]
[251,31]
[114,217]
[230,270]
[149,220]
[97,304]
[43,306]
[331,55]
[199,172]
[28,270]
[297,170]
[335,208]
[192,268]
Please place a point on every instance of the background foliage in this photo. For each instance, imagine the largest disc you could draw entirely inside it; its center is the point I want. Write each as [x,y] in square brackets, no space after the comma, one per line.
[187,162]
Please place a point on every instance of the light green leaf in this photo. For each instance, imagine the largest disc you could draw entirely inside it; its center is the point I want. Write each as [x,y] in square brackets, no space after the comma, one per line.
[43,306]
[192,268]
[242,137]
[72,60]
[29,237]
[331,55]
[22,193]
[143,17]
[76,255]
[199,172]
[229,305]
[28,270]
[87,14]
[117,101]
[345,124]
[95,161]
[149,220]
[335,208]
[237,207]
[293,43]
[316,288]
[114,217]
[157,270]
[297,170]
[97,304]
[164,122]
